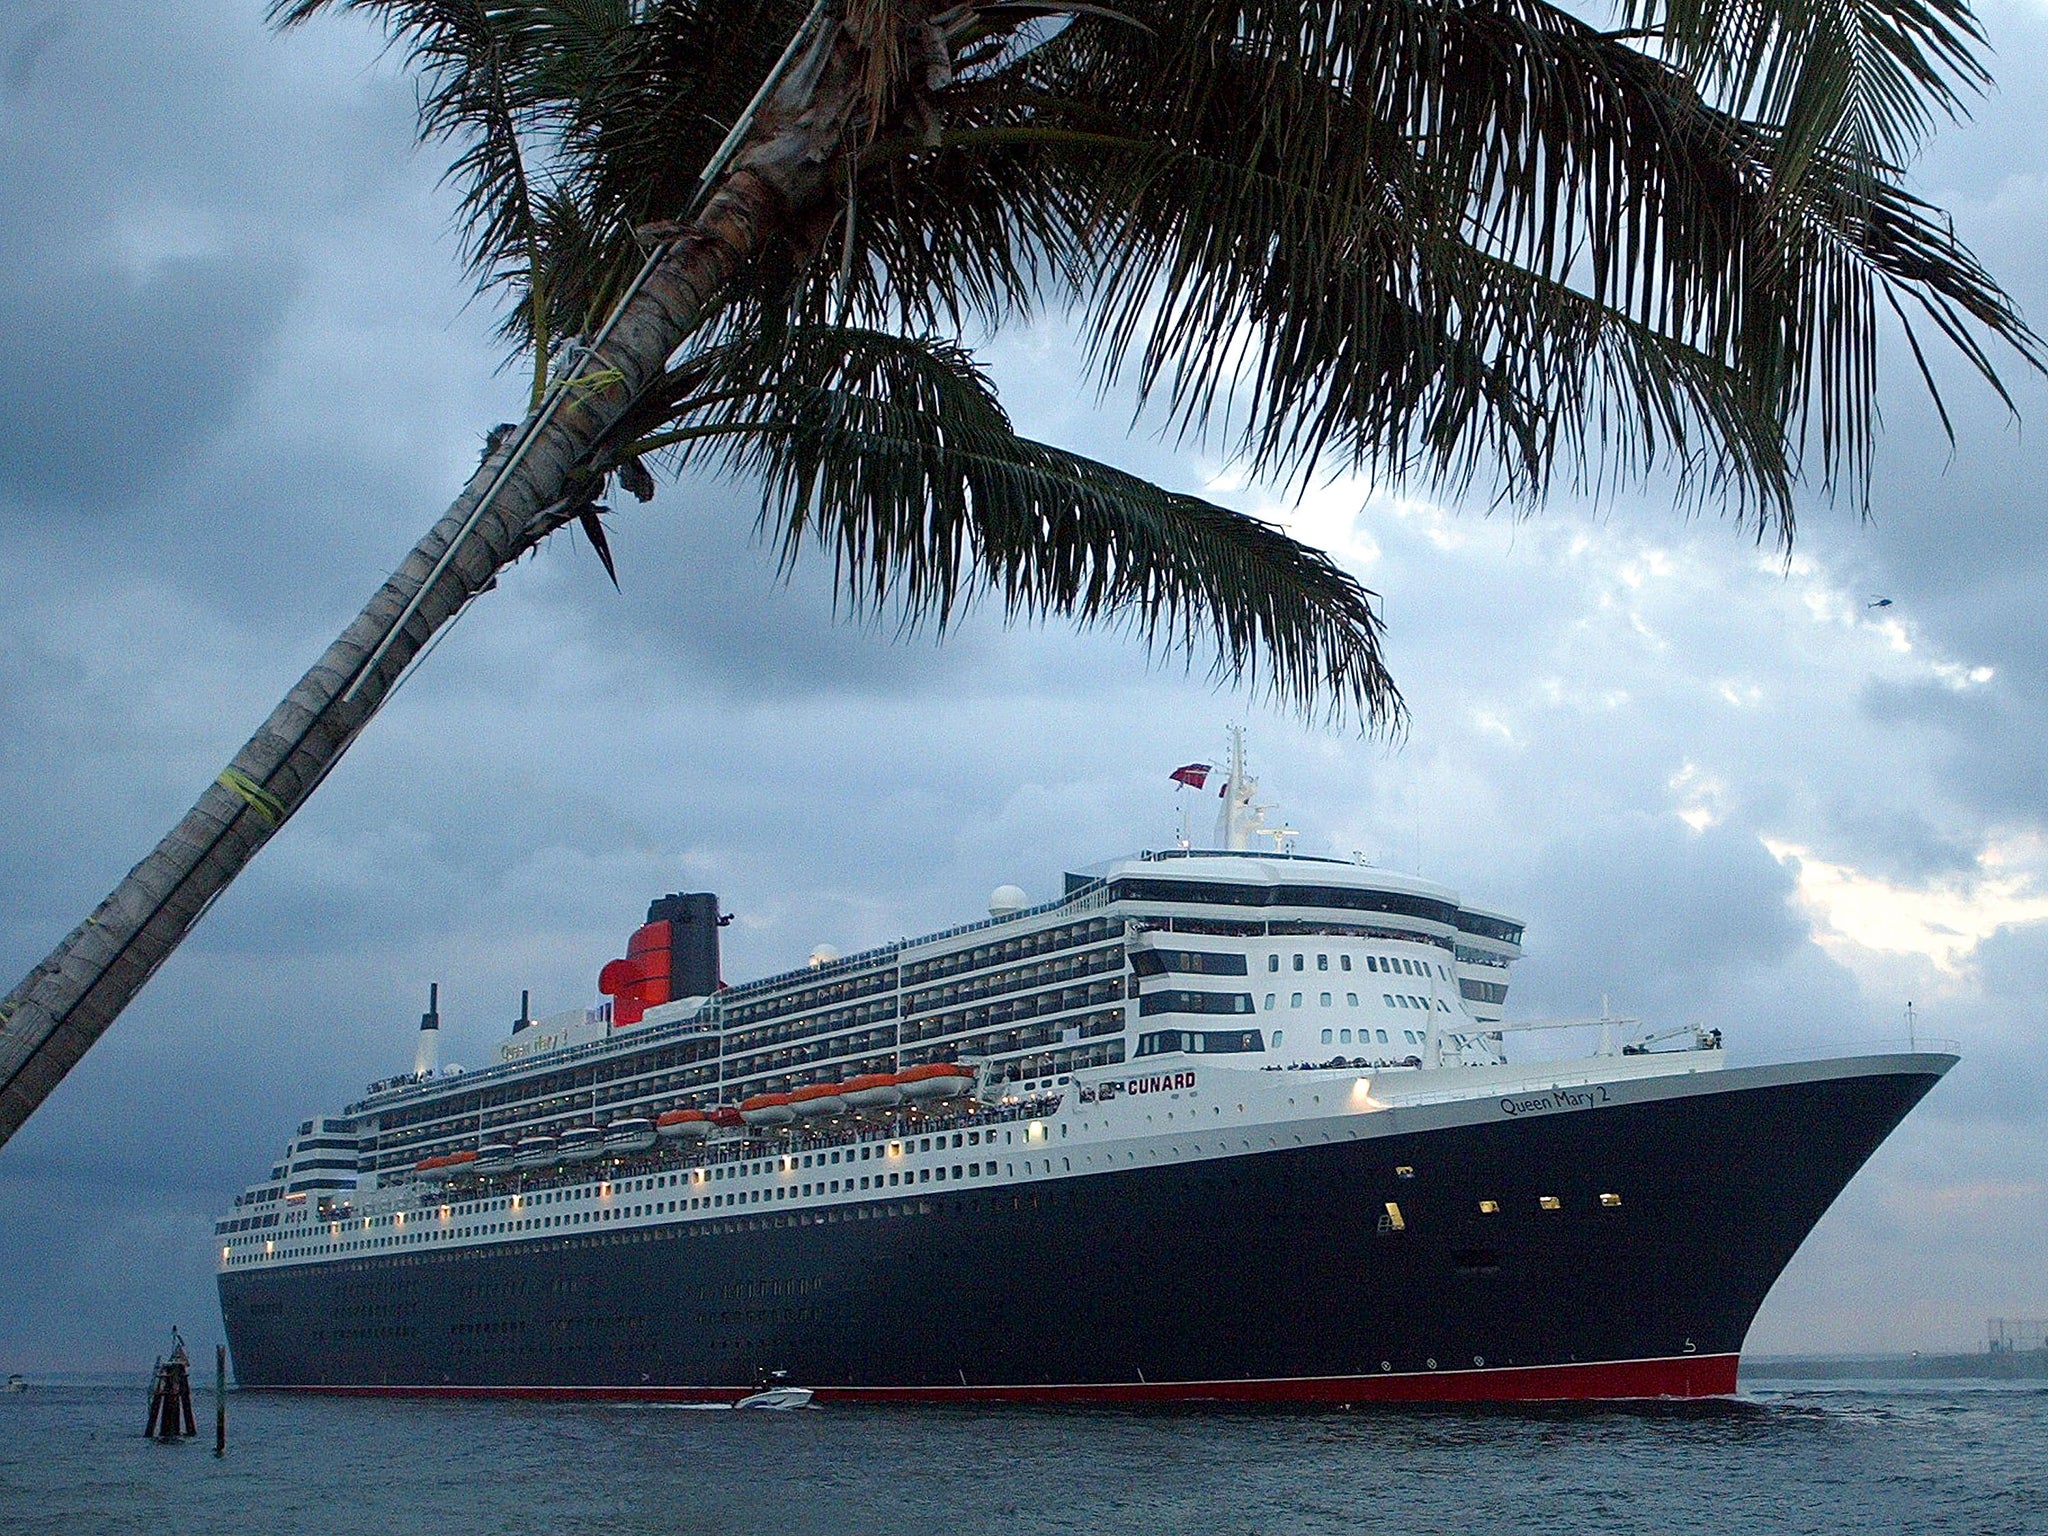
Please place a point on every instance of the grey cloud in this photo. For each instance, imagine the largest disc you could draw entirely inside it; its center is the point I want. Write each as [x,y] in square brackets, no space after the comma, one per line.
[106,383]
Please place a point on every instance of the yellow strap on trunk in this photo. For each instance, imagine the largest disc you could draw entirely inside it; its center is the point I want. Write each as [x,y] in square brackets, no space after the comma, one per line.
[260,800]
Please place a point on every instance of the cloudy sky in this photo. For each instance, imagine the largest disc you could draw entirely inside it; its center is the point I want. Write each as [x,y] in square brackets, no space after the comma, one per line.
[239,376]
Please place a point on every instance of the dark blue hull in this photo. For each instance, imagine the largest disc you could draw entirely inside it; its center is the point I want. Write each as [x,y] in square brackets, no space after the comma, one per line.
[1269,1275]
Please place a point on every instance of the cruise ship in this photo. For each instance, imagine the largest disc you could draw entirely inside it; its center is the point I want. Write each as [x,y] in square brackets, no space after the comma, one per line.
[1228,1123]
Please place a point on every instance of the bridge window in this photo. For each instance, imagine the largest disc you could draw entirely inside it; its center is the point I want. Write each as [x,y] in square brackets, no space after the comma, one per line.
[1195,1002]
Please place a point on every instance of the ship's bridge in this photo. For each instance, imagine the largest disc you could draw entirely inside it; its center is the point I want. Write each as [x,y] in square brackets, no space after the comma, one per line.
[1303,958]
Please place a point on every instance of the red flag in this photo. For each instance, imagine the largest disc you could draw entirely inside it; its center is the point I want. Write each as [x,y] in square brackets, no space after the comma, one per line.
[1194,775]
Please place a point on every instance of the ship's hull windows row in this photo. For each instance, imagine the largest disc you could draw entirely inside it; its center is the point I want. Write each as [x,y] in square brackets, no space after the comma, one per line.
[742,1008]
[1201,1041]
[1015,978]
[1194,1002]
[1192,962]
[804,1027]
[864,1043]
[1032,1005]
[583,1078]
[1002,1041]
[1021,946]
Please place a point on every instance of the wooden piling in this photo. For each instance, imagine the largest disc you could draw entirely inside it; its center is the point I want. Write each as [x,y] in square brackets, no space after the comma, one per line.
[170,1400]
[156,1398]
[220,1399]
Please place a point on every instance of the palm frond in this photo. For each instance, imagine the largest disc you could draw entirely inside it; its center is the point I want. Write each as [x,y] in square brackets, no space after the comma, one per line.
[893,455]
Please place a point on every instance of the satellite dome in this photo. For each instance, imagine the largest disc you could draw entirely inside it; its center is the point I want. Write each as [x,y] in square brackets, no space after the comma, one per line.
[824,954]
[453,1069]
[1006,899]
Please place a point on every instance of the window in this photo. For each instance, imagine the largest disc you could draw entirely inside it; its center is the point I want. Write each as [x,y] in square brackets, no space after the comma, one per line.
[1326,999]
[1550,1202]
[1392,1220]
[1344,1035]
[1387,998]
[1351,999]
[1322,962]
[1404,1171]
[1297,962]
[1195,1002]
[1200,1041]
[1329,1037]
[1344,961]
[1294,1000]
[1383,1037]
[1272,962]
[1278,1035]
[1202,962]
[1610,1201]
[1269,1001]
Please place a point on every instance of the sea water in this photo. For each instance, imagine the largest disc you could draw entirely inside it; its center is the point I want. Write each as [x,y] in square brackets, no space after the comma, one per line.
[1850,1458]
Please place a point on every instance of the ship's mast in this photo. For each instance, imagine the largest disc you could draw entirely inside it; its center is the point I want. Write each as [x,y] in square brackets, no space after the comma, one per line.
[1239,819]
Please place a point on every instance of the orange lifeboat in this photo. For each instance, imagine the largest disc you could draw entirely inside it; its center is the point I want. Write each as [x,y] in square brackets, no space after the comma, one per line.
[872,1090]
[819,1099]
[725,1116]
[939,1080]
[683,1125]
[767,1109]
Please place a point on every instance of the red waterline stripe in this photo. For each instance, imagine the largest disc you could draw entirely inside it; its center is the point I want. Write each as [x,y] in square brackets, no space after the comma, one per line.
[1672,1376]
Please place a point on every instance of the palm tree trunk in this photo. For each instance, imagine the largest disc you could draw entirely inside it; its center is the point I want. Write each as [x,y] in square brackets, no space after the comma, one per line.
[776,183]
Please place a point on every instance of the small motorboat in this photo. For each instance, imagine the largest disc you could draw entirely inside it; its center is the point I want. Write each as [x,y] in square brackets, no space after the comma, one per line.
[15,1383]
[636,1133]
[580,1144]
[534,1152]
[779,1399]
[767,1109]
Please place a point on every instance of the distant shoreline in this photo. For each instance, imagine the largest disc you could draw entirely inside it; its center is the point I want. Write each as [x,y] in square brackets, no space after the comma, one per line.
[2032,1365]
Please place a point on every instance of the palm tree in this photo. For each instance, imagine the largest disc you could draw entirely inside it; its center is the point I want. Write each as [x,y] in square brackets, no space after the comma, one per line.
[1454,243]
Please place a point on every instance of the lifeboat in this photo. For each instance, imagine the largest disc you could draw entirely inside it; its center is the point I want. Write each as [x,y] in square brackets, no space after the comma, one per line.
[494,1157]
[819,1099]
[725,1117]
[872,1090]
[580,1144]
[940,1080]
[683,1125]
[767,1109]
[535,1152]
[635,1133]
[432,1169]
[459,1162]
